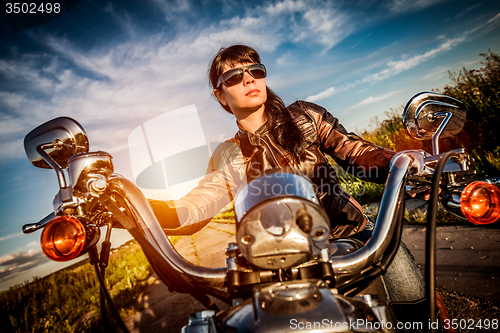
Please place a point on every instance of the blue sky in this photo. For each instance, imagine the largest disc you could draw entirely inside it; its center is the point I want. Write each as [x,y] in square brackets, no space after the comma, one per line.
[114,65]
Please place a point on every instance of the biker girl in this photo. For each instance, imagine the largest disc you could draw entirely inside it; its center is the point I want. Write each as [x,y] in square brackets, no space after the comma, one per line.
[272,135]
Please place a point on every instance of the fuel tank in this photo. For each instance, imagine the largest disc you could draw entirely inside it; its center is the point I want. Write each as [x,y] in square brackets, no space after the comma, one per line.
[297,306]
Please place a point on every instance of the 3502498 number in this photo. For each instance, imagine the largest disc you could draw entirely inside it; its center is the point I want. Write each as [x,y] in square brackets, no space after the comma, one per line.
[471,324]
[32,8]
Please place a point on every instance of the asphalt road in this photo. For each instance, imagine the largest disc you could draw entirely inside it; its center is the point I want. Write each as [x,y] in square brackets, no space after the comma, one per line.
[468,263]
[468,258]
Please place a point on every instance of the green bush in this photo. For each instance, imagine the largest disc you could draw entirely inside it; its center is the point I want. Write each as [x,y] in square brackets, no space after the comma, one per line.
[479,90]
[390,133]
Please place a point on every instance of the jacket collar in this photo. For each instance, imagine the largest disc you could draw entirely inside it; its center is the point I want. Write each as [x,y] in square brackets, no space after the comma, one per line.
[254,138]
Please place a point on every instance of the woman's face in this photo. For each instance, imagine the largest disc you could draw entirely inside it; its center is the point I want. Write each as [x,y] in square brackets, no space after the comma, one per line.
[247,96]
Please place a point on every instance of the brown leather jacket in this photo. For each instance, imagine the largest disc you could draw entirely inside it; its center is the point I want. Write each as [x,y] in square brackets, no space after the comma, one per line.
[248,155]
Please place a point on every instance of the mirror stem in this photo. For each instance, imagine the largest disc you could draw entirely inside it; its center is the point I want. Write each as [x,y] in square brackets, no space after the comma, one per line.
[435,137]
[60,175]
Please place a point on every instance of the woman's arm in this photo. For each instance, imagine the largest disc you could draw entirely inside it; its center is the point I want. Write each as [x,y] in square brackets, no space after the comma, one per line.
[225,174]
[357,156]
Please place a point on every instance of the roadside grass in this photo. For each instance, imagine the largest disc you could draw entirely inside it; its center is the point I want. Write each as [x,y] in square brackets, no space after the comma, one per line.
[419,216]
[364,192]
[228,216]
[443,217]
[68,300]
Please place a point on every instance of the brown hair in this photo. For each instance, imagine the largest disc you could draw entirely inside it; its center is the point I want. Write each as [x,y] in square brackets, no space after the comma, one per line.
[280,123]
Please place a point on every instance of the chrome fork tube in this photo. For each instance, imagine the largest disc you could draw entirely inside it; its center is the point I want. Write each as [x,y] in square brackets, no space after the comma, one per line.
[154,233]
[384,226]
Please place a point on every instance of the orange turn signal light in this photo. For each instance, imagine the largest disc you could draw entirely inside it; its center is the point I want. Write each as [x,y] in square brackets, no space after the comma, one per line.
[63,238]
[480,202]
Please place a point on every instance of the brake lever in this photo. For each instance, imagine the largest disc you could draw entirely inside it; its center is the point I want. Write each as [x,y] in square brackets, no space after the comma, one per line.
[31,227]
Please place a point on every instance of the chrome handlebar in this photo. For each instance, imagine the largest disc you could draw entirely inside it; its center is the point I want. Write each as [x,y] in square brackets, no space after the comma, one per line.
[154,233]
[352,263]
[384,226]
[149,226]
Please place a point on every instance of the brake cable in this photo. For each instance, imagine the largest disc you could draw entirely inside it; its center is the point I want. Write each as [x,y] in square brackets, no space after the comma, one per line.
[430,241]
[99,267]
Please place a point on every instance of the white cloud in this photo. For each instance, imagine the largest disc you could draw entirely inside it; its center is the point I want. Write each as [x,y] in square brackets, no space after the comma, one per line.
[319,22]
[286,7]
[322,95]
[21,68]
[325,25]
[436,74]
[34,244]
[462,13]
[172,9]
[114,88]
[17,257]
[406,63]
[405,6]
[121,19]
[491,23]
[285,59]
[440,72]
[330,92]
[9,237]
[14,264]
[375,99]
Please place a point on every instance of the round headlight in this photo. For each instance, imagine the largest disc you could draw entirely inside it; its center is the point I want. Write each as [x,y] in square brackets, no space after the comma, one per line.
[269,236]
[280,223]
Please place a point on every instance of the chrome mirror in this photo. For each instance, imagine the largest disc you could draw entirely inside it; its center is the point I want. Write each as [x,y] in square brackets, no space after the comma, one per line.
[432,116]
[51,144]
[58,139]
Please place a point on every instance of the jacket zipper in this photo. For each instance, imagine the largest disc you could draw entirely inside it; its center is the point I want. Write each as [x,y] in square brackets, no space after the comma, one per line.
[277,150]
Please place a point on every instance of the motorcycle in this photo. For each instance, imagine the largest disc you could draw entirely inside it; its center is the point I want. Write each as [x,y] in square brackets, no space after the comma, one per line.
[283,273]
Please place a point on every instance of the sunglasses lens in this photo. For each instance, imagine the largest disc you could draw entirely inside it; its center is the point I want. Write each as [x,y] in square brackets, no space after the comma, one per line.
[258,71]
[232,77]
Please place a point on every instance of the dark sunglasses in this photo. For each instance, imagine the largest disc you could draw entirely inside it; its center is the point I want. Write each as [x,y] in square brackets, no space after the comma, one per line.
[235,76]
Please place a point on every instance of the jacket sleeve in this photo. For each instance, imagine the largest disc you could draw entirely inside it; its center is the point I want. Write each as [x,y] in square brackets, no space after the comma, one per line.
[225,174]
[359,157]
